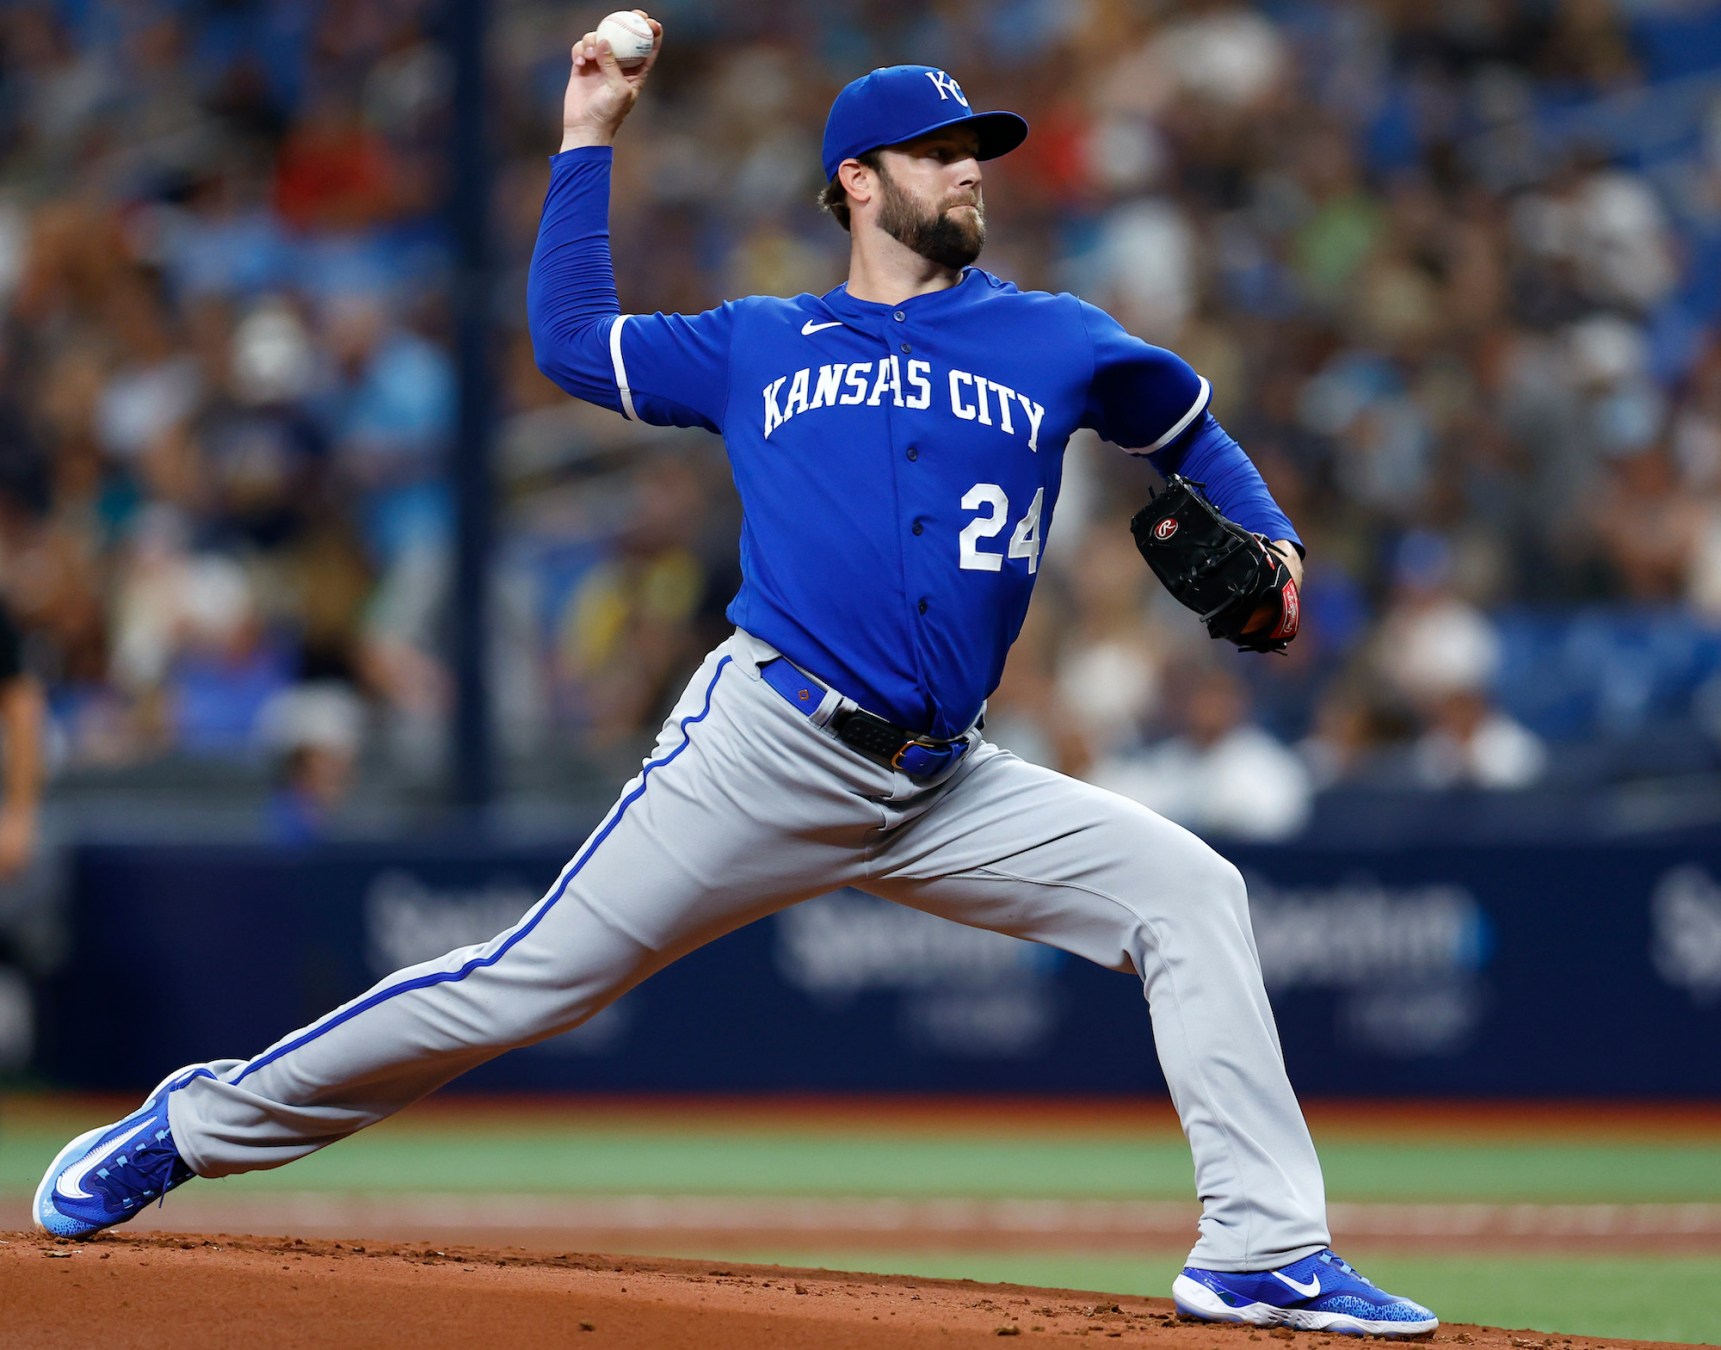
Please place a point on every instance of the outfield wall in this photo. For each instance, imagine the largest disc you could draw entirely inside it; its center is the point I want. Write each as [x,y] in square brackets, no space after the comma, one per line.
[1487,970]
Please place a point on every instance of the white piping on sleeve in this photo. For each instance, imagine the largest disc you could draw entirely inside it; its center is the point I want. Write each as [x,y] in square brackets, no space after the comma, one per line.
[1176,430]
[621,370]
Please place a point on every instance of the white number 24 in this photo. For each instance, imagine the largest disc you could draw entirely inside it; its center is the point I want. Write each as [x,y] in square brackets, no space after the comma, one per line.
[1024,541]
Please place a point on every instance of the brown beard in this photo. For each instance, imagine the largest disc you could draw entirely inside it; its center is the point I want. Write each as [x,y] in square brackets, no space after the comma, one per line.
[939,236]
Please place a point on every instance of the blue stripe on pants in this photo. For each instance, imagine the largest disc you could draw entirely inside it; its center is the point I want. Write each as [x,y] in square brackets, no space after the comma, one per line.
[445,976]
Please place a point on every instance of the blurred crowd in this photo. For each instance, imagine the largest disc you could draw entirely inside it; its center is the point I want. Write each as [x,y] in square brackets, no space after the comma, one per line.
[1452,270]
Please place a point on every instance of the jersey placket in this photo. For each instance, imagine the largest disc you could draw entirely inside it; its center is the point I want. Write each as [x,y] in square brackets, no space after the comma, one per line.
[906,451]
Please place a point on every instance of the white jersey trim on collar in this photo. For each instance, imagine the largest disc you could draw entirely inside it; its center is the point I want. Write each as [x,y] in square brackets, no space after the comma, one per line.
[621,370]
[1177,428]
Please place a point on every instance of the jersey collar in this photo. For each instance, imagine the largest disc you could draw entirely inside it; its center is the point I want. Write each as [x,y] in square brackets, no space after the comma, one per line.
[933,303]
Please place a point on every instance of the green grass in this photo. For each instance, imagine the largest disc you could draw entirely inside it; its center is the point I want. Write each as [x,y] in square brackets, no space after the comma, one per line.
[695,1162]
[621,1159]
[1636,1297]
[1549,1172]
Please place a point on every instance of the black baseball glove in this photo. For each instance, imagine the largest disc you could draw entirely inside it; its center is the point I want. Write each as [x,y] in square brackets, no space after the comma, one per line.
[1233,579]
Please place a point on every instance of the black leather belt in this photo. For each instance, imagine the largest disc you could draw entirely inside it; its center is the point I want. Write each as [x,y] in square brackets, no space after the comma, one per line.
[881,741]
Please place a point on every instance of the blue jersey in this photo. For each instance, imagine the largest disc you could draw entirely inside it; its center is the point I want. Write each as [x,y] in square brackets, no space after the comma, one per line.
[898,465]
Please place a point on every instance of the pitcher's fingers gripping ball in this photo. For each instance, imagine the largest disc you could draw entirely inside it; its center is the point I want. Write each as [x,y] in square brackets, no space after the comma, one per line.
[630,37]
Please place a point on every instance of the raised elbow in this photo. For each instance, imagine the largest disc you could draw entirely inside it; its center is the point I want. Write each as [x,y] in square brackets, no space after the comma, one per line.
[575,357]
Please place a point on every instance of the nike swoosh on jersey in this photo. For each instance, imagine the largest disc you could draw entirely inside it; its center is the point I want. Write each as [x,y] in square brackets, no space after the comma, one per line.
[71,1182]
[809,327]
[1308,1290]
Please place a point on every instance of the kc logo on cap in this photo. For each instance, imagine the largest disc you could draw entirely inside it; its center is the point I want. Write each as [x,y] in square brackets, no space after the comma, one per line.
[947,87]
[899,103]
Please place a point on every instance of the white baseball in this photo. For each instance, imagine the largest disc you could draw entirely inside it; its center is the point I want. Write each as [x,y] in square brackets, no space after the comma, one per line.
[630,37]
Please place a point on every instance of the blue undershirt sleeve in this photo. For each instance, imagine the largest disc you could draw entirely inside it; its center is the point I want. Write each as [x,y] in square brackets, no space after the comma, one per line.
[570,290]
[666,369]
[1207,455]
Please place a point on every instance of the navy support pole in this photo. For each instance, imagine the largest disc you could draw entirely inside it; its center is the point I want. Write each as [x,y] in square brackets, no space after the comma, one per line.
[472,761]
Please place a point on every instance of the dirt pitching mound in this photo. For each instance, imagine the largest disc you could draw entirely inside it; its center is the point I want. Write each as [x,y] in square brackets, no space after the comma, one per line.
[192,1292]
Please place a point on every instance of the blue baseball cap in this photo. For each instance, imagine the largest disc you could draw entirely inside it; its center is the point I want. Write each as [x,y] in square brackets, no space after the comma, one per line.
[897,103]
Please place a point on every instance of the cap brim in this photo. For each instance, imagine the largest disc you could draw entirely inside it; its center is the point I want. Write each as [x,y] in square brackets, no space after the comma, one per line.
[999,132]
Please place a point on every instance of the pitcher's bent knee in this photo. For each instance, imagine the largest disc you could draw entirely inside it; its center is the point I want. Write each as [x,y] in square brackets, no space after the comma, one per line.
[1188,887]
[1214,897]
[1224,881]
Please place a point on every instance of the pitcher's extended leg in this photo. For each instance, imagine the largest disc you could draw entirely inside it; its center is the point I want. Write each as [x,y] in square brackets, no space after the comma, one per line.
[742,809]
[1026,851]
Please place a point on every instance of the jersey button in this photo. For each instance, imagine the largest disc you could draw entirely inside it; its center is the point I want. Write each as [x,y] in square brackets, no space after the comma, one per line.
[913,453]
[906,349]
[919,528]
[923,606]
[899,316]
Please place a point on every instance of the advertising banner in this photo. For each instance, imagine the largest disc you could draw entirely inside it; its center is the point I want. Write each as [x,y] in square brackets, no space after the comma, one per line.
[1485,970]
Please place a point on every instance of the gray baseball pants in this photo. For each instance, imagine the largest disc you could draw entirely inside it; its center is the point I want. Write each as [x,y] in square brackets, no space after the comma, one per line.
[747,806]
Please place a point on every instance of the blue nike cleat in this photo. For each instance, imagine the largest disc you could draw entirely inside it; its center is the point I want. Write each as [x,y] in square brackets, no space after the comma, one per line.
[1318,1293]
[106,1175]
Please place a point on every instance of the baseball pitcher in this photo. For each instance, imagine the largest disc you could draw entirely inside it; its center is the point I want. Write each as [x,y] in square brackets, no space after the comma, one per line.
[897,444]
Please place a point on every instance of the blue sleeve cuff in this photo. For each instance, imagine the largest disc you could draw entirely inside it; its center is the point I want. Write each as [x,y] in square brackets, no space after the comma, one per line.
[582,154]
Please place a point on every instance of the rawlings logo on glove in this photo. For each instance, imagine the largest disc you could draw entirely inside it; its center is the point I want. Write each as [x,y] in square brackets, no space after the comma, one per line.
[1233,579]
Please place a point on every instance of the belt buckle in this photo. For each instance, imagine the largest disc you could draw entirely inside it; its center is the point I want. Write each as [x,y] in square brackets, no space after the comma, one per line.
[948,750]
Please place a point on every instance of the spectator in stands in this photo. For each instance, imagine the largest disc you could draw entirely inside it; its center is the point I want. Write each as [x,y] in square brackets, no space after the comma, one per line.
[313,733]
[21,912]
[1359,734]
[1439,654]
[1468,742]
[388,409]
[21,755]
[225,663]
[632,624]
[1109,669]
[1221,775]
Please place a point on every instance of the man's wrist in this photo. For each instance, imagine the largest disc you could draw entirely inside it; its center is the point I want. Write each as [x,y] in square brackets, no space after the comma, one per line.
[577,138]
[1288,550]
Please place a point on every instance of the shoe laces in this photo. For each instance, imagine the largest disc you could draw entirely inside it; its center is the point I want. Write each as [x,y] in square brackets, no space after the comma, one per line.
[1332,1258]
[150,1166]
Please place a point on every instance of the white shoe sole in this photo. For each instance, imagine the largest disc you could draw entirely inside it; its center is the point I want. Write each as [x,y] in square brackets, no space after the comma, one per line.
[1197,1300]
[70,1154]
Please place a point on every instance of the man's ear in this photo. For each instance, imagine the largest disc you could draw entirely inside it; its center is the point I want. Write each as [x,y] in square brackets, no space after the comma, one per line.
[858,181]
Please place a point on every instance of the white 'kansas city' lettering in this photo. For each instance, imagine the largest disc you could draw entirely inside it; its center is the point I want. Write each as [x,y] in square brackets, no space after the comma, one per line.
[972,398]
